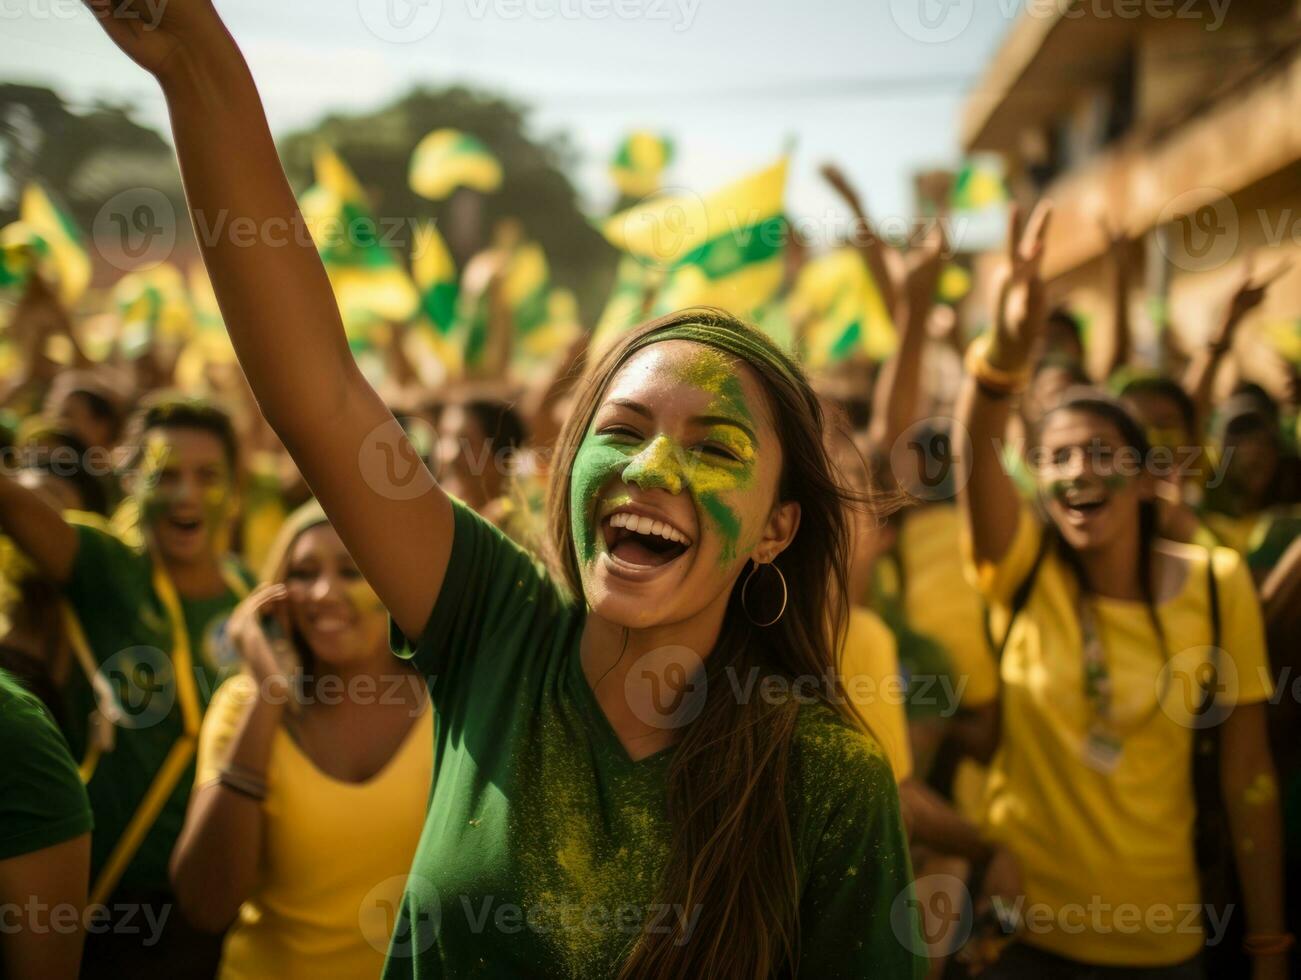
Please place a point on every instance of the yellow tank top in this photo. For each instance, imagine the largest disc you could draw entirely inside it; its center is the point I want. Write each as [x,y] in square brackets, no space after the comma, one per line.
[335,854]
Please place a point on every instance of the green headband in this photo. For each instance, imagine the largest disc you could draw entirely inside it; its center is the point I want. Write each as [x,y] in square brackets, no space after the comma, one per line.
[748,345]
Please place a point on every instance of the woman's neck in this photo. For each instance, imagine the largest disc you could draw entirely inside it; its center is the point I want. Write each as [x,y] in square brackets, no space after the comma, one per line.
[200,579]
[1113,571]
[642,677]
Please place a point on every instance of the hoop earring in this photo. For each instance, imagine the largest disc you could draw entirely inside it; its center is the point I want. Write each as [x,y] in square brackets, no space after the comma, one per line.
[746,585]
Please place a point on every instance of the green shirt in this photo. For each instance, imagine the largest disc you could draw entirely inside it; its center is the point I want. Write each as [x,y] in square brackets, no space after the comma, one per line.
[42,801]
[543,841]
[130,638]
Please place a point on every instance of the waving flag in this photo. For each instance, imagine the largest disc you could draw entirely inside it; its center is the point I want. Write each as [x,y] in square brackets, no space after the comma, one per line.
[370,283]
[838,311]
[726,250]
[639,163]
[435,276]
[447,159]
[979,185]
[44,240]
[153,305]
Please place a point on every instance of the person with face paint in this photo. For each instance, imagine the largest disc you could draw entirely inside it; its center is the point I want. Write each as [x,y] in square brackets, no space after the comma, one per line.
[643,767]
[143,623]
[1107,638]
[321,739]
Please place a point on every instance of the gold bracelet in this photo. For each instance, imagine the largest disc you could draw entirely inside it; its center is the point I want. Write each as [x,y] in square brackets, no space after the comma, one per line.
[1267,943]
[994,380]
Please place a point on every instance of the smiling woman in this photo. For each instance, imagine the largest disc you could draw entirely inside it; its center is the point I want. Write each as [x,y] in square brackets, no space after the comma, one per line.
[1111,641]
[600,829]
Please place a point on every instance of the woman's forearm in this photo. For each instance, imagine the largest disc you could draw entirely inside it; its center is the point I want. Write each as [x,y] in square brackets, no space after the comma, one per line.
[1251,798]
[988,499]
[215,863]
[274,295]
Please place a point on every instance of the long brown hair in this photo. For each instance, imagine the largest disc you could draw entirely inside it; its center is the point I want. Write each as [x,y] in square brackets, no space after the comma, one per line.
[732,854]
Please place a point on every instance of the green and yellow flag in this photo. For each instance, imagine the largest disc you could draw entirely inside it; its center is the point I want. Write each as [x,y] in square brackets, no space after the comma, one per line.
[447,159]
[838,311]
[46,241]
[639,163]
[726,250]
[978,185]
[370,283]
[153,306]
[434,272]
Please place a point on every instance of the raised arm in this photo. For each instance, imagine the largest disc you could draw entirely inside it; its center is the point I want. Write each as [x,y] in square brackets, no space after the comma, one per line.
[279,308]
[1115,344]
[38,530]
[881,260]
[1200,377]
[897,392]
[986,495]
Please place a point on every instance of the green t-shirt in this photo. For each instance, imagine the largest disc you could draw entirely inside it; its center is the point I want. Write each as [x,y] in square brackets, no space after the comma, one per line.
[543,841]
[42,801]
[127,629]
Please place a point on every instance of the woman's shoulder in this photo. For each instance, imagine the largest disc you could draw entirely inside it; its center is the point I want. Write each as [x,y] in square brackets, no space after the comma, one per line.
[836,760]
[1191,560]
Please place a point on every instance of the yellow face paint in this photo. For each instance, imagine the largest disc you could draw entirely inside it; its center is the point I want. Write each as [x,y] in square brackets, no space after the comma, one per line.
[363,597]
[1262,791]
[717,471]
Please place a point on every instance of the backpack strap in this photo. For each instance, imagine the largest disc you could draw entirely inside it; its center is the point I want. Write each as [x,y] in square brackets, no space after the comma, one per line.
[1022,595]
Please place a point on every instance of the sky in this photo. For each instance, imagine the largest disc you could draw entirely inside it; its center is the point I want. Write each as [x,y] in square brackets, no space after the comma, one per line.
[874,85]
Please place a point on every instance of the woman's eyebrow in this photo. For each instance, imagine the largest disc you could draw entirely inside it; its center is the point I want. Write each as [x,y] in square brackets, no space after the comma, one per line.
[631,405]
[725,420]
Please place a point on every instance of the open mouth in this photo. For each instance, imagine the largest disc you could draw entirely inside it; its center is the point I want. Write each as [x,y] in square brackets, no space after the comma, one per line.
[186,525]
[1084,500]
[642,541]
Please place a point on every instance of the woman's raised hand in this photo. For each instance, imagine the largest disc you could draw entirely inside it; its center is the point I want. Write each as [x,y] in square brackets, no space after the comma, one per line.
[157,33]
[1019,314]
[265,649]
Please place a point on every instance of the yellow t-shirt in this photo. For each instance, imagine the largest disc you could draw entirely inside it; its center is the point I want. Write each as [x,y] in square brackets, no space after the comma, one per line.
[1107,856]
[869,668]
[939,600]
[335,854]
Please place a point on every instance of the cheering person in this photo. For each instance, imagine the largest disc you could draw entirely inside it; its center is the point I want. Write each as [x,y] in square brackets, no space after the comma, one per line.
[1091,782]
[145,619]
[642,768]
[296,758]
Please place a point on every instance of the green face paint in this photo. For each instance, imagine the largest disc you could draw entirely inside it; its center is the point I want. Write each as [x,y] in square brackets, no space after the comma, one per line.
[722,465]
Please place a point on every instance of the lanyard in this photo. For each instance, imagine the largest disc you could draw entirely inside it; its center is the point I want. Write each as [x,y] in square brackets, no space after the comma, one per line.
[182,750]
[1098,687]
